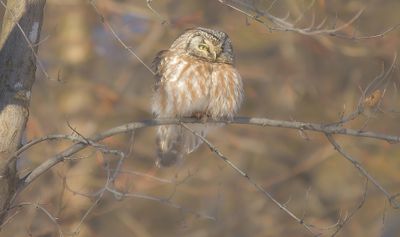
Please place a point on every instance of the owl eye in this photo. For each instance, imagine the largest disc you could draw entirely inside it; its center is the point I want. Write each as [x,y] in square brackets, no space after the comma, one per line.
[203,47]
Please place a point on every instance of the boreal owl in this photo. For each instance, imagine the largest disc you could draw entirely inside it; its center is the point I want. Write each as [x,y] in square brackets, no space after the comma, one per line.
[196,76]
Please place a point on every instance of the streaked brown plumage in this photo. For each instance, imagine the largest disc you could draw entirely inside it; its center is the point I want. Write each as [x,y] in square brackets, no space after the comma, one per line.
[194,77]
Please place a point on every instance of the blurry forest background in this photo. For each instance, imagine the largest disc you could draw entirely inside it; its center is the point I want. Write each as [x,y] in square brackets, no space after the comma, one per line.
[96,84]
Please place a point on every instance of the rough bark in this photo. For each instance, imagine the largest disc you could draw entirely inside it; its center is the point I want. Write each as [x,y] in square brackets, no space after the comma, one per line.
[17,75]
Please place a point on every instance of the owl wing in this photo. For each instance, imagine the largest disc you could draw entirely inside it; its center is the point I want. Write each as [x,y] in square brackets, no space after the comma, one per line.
[157,65]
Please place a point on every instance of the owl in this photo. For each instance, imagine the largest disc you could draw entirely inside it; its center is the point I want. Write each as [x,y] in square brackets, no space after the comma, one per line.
[195,77]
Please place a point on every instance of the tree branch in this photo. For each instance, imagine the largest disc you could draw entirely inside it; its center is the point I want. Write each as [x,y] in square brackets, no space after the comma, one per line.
[80,145]
[274,23]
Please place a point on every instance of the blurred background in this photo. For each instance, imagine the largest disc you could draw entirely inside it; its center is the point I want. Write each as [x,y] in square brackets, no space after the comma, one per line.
[96,84]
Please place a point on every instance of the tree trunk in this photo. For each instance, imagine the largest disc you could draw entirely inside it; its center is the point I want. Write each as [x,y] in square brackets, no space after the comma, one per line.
[17,75]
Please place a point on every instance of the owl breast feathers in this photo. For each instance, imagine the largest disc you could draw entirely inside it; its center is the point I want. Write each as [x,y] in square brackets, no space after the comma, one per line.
[195,76]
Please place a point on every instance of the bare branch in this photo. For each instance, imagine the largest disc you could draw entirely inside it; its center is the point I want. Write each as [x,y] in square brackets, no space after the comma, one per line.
[283,24]
[82,143]
[322,128]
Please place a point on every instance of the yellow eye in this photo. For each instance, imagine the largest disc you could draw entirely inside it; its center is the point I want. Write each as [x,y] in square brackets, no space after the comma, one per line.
[203,47]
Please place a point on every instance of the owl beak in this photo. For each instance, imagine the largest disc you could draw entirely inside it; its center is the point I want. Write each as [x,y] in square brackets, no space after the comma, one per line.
[212,51]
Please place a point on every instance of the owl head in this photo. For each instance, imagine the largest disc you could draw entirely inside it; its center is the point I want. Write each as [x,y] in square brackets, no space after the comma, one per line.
[206,44]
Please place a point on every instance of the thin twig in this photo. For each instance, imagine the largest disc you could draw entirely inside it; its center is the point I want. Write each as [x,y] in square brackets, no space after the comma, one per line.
[95,203]
[151,177]
[163,20]
[383,219]
[380,82]
[41,208]
[99,193]
[363,171]
[283,24]
[163,201]
[350,216]
[9,219]
[115,35]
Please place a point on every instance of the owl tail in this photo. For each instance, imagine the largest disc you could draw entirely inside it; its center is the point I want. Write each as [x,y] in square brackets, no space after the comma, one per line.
[174,142]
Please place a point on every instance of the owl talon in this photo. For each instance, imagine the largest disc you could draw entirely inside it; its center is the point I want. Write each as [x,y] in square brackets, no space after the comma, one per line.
[197,115]
[203,117]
